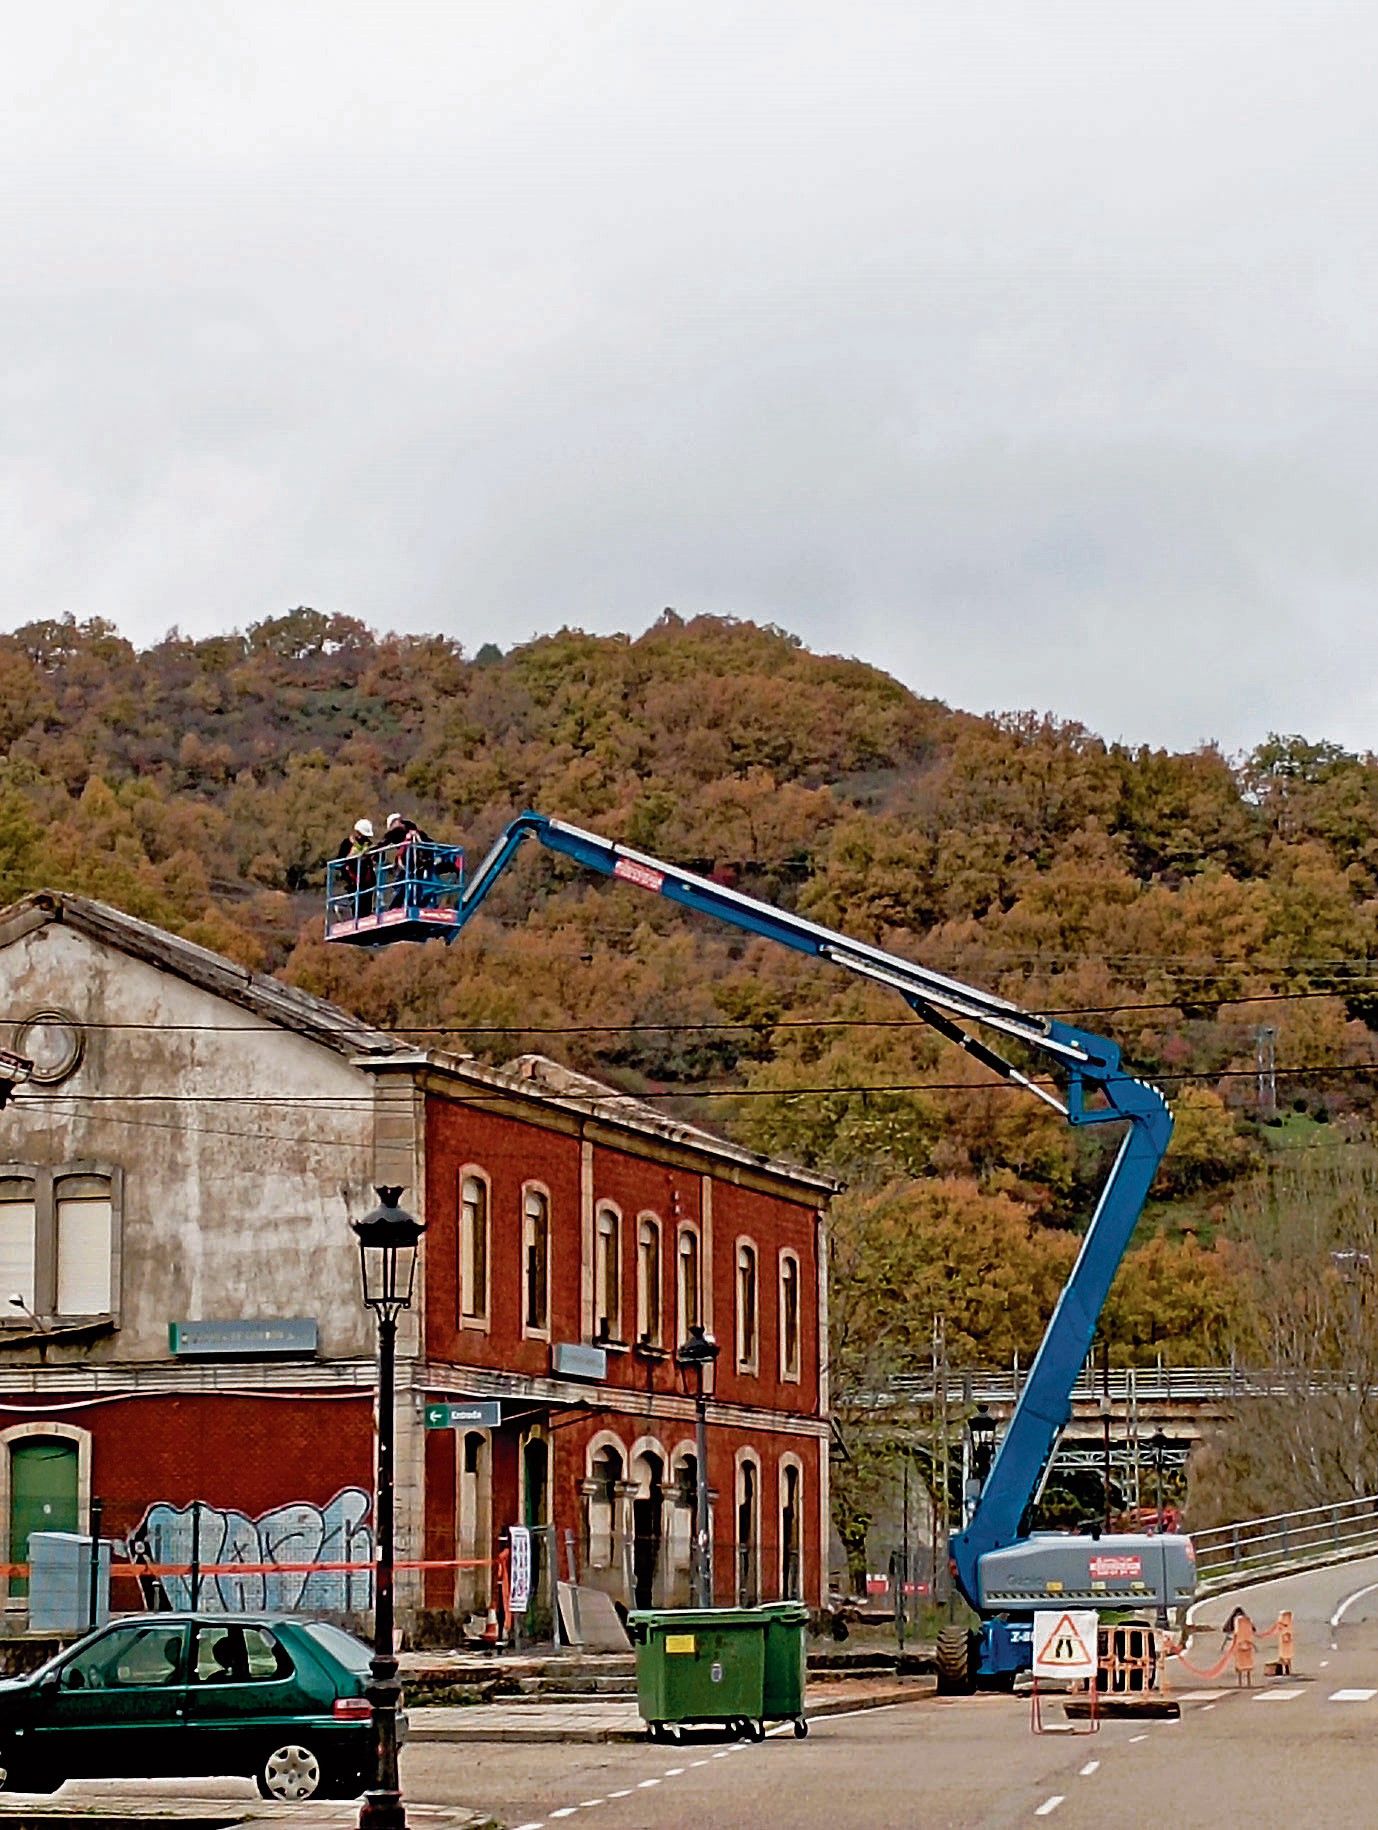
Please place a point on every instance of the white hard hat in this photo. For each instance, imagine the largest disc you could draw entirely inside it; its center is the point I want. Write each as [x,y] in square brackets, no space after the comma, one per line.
[364,828]
[395,819]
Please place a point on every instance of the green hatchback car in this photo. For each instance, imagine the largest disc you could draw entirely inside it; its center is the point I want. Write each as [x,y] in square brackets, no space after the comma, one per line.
[278,1700]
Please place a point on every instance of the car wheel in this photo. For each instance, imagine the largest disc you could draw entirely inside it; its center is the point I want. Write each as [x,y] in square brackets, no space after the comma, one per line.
[290,1774]
[17,1778]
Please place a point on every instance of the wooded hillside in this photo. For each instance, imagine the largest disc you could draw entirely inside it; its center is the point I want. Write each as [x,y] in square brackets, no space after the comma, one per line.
[1177,901]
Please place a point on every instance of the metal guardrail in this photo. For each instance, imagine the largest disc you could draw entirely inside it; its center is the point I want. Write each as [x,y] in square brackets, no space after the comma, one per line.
[1125,1385]
[1284,1541]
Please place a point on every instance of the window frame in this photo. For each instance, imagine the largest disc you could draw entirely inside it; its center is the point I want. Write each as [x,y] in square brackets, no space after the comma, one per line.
[607,1275]
[535,1331]
[748,1354]
[687,1230]
[650,1292]
[790,1463]
[791,1373]
[46,1183]
[480,1320]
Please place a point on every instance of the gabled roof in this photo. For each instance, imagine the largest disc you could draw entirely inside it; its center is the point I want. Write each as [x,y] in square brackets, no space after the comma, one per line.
[253,991]
[538,1078]
[535,1077]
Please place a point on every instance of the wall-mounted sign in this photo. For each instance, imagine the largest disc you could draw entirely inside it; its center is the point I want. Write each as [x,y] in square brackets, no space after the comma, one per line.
[471,1413]
[575,1360]
[246,1339]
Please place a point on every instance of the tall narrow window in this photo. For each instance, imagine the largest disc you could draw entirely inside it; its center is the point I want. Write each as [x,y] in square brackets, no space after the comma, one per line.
[607,1275]
[690,1306]
[789,1316]
[791,1519]
[747,1331]
[473,1249]
[84,1222]
[536,1261]
[648,1280]
[18,1228]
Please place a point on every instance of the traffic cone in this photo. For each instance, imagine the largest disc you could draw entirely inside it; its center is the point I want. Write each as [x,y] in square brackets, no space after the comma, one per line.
[490,1627]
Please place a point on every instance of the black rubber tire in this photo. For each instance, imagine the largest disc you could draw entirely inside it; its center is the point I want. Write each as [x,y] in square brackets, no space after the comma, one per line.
[755,1731]
[801,1728]
[956,1661]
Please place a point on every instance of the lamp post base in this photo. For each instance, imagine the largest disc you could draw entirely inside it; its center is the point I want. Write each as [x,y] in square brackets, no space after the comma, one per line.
[382,1811]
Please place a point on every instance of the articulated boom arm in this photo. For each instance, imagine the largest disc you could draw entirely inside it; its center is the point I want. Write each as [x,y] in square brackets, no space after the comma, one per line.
[1087,1061]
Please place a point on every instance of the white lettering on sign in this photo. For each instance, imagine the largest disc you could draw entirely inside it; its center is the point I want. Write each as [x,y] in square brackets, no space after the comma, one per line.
[632,872]
[1064,1643]
[1116,1569]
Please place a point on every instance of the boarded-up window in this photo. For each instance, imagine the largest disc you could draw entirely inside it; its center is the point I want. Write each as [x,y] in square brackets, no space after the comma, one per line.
[84,1224]
[536,1261]
[18,1229]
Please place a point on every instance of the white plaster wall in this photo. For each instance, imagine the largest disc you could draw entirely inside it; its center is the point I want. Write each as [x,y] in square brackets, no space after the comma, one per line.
[236,1200]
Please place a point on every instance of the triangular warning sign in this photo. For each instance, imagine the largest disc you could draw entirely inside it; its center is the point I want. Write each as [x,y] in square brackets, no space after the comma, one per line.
[1064,1645]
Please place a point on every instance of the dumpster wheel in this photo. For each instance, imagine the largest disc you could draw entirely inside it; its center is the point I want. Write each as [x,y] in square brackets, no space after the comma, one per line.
[801,1728]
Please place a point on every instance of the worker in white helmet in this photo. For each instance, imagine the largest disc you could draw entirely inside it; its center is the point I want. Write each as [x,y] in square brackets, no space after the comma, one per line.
[358,872]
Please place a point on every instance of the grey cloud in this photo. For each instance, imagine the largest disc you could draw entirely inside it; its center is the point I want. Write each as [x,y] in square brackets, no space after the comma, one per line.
[1026,350]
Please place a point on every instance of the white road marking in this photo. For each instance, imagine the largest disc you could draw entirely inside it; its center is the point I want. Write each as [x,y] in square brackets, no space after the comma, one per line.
[626,1794]
[1324,1663]
[587,1804]
[1349,1601]
[1138,1738]
[1353,1696]
[1202,1696]
[698,1763]
[538,1825]
[1206,1708]
[673,1772]
[1092,1766]
[646,1784]
[1050,1805]
[565,1811]
[1282,1696]
[722,1753]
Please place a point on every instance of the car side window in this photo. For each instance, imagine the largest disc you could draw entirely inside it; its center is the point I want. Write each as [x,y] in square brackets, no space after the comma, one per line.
[219,1656]
[128,1658]
[264,1656]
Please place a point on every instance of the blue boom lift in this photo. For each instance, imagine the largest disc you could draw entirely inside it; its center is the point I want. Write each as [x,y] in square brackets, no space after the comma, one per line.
[1005,1571]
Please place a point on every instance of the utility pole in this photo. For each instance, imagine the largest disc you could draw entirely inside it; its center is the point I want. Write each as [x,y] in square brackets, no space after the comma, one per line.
[1266,1064]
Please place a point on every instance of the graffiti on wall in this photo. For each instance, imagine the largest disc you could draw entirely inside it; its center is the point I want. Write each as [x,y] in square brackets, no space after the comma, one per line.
[295,1534]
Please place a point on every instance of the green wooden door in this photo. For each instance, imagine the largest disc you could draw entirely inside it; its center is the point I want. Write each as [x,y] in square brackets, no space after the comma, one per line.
[43,1495]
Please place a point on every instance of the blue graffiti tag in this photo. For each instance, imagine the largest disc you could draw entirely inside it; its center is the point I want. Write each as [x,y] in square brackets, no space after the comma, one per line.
[298,1533]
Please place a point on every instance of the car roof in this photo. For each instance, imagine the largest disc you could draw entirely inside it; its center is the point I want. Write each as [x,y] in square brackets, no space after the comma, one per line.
[177,1617]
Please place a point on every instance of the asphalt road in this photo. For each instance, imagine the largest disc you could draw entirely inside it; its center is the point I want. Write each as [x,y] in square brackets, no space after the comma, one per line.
[1292,1753]
[1287,1754]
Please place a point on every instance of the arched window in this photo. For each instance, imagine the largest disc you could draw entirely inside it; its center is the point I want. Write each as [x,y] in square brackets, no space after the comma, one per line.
[602,1507]
[688,1282]
[648,1280]
[789,1316]
[473,1247]
[748,1328]
[607,1274]
[748,1529]
[535,1261]
[791,1530]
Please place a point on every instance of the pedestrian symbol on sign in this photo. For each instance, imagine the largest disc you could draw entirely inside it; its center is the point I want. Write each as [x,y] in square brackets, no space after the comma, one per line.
[1065,1644]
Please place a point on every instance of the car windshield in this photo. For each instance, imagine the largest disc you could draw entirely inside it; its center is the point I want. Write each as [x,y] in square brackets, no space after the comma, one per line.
[352,1653]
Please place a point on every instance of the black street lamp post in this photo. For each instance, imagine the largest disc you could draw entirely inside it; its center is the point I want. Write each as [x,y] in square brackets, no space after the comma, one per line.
[387,1253]
[700,1352]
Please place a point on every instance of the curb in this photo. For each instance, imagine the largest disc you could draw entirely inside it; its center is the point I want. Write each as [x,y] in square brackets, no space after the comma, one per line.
[592,1733]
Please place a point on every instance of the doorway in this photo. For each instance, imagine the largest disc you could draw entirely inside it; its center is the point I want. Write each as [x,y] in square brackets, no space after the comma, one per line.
[648,1511]
[43,1496]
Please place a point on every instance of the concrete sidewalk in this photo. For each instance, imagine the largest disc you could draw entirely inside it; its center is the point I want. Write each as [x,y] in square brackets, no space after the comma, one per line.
[618,1720]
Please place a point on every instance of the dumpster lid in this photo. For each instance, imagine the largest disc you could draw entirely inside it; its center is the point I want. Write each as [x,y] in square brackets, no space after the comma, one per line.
[685,1619]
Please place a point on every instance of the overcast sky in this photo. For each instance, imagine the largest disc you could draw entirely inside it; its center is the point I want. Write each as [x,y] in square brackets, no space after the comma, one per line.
[1029,350]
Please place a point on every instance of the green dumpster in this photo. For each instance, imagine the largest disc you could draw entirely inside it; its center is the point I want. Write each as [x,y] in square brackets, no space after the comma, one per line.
[700,1665]
[786,1662]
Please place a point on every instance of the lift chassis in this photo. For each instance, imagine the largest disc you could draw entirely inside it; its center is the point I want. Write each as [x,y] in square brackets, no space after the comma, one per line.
[1004,1571]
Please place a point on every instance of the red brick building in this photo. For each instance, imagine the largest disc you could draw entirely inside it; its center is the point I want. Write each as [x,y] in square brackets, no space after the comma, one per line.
[182,1336]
